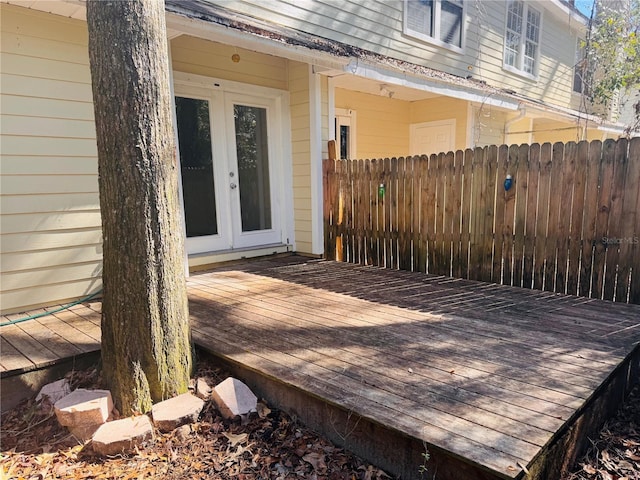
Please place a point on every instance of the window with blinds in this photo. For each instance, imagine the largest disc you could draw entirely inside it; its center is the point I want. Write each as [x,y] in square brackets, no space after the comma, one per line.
[435,21]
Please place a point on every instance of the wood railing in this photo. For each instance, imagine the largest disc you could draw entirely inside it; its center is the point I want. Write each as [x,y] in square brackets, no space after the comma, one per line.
[568,220]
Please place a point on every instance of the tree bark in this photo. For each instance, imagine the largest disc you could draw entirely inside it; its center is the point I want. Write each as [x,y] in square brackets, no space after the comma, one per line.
[146,342]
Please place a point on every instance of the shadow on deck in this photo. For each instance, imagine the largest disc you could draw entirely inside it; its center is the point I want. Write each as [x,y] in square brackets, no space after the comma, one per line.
[493,381]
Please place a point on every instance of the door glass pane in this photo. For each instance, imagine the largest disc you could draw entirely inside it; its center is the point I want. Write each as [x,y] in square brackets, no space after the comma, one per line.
[253,167]
[344,142]
[196,162]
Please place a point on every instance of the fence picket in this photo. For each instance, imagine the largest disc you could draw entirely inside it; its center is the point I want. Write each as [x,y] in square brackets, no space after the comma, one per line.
[555,193]
[614,234]
[456,205]
[509,216]
[532,216]
[502,170]
[564,215]
[404,214]
[634,238]
[569,223]
[577,156]
[415,213]
[379,240]
[477,219]
[431,212]
[467,174]
[607,165]
[424,213]
[629,225]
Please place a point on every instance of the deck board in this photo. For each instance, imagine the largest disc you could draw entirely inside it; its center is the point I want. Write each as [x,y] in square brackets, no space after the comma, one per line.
[473,363]
[486,373]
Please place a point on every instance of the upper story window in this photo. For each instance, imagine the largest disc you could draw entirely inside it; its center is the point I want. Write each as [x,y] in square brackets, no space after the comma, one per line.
[580,68]
[435,21]
[522,38]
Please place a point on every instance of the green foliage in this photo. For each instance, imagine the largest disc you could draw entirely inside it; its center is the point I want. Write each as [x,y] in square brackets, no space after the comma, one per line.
[612,51]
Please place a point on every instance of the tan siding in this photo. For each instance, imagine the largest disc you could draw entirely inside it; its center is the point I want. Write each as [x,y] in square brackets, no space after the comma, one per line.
[488,126]
[46,107]
[47,127]
[45,88]
[19,261]
[298,82]
[14,165]
[50,222]
[382,124]
[519,132]
[32,184]
[64,292]
[554,131]
[212,59]
[17,204]
[49,240]
[45,276]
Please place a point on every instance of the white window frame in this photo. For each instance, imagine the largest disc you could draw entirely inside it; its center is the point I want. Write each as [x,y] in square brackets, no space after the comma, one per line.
[518,69]
[435,39]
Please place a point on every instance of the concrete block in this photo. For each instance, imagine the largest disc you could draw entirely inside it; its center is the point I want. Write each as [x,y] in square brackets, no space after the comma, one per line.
[234,398]
[122,436]
[54,391]
[176,411]
[82,408]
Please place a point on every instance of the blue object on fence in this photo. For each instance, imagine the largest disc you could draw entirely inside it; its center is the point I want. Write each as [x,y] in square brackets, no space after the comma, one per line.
[508,183]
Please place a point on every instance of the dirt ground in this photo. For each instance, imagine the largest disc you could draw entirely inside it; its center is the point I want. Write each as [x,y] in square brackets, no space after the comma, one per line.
[271,445]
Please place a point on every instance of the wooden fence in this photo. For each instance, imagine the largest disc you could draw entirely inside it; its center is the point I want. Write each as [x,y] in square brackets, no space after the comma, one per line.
[570,221]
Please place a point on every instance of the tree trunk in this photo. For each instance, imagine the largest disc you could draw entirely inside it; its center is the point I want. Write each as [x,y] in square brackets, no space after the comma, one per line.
[146,343]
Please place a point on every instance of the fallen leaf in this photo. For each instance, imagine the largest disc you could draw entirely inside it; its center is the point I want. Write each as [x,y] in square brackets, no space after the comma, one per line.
[629,454]
[235,439]
[316,460]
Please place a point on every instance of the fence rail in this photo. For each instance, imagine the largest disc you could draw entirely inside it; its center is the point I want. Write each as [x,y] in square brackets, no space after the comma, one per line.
[569,222]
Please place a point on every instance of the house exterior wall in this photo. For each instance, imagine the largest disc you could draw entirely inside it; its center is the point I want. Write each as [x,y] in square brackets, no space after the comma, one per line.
[50,222]
[377,26]
[212,59]
[442,108]
[488,126]
[382,123]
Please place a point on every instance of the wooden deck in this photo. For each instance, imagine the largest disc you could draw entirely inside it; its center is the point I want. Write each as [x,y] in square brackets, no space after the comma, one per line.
[494,381]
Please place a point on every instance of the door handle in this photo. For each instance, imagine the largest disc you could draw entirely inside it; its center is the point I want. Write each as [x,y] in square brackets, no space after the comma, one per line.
[233,186]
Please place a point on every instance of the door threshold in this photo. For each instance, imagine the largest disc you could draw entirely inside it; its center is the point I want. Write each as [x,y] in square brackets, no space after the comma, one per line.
[206,260]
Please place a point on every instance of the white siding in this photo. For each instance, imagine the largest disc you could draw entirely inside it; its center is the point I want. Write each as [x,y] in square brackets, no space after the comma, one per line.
[376,25]
[50,218]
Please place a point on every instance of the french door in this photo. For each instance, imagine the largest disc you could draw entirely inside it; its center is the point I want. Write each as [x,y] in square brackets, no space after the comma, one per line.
[228,144]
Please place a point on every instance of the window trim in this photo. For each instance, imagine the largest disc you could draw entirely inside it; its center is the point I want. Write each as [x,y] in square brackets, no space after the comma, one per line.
[516,70]
[435,40]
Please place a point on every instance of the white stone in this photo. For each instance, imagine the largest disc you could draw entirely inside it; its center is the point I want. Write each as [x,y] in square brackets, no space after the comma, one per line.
[121,436]
[176,411]
[52,392]
[234,398]
[84,408]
